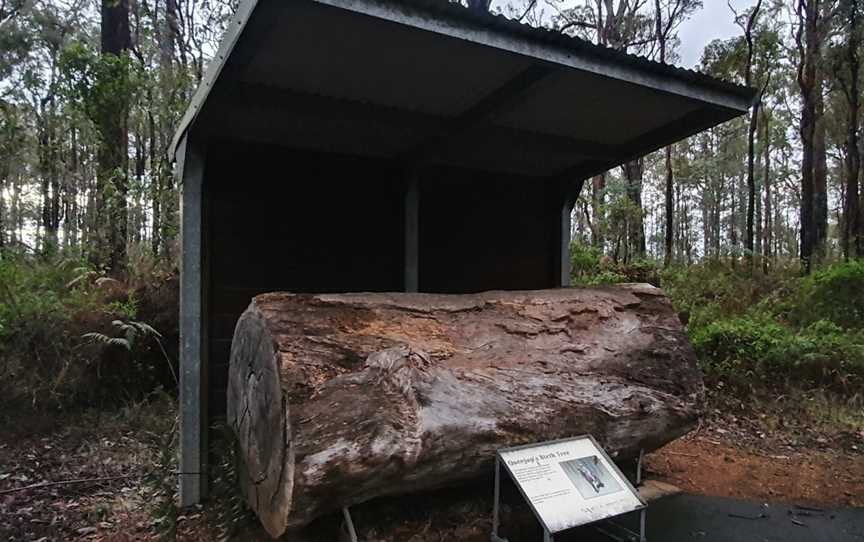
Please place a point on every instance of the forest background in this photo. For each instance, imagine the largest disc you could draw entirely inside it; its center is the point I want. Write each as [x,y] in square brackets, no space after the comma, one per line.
[754,228]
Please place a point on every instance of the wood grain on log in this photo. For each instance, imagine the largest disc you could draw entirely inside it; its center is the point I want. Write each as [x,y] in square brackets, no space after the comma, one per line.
[337,399]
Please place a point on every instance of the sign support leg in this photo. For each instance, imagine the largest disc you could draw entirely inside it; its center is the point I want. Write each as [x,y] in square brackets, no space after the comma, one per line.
[346,515]
[643,516]
[496,507]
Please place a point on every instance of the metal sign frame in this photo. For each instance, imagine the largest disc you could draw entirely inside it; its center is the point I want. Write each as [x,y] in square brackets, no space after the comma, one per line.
[548,535]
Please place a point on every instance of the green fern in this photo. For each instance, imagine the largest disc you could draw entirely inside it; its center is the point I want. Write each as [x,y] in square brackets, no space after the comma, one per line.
[129,333]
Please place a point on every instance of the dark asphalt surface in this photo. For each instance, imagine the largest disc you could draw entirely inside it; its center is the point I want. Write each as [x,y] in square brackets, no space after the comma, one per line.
[708,519]
[688,518]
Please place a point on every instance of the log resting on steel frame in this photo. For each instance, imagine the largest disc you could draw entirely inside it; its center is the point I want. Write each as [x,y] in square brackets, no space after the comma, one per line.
[337,399]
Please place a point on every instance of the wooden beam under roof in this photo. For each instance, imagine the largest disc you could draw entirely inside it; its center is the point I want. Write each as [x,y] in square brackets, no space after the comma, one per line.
[432,133]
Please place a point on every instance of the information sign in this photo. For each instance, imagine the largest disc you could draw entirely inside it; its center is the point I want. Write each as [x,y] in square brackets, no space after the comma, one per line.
[570,482]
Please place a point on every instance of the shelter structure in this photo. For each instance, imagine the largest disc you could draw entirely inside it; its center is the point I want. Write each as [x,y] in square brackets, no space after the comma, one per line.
[396,145]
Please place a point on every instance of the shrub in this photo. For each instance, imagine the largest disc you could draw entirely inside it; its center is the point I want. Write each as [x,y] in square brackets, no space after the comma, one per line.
[38,332]
[47,308]
[584,260]
[758,350]
[835,293]
[588,267]
[716,290]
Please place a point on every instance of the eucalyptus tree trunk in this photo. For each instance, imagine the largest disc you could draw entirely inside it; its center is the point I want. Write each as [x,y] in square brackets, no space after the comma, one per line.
[820,180]
[808,42]
[768,230]
[749,241]
[112,120]
[852,240]
[661,33]
[479,5]
[633,173]
[598,200]
[50,175]
[4,179]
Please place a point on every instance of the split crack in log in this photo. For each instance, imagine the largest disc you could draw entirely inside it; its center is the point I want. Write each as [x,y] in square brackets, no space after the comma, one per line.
[363,395]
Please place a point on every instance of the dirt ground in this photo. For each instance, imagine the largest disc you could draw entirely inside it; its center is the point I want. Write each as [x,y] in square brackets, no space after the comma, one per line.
[125,462]
[114,484]
[702,465]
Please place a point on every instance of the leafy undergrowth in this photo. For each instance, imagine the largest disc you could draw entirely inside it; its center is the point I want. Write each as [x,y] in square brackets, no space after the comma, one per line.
[71,337]
[754,331]
[776,332]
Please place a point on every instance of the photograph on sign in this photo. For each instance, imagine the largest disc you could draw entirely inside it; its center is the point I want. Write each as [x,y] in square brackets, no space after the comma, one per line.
[570,482]
[590,477]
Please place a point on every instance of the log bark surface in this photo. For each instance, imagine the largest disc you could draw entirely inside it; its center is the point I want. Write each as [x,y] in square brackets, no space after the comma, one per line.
[337,399]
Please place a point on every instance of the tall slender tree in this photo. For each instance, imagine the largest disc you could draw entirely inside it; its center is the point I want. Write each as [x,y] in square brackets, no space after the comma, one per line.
[749,241]
[481,6]
[852,238]
[809,46]
[112,112]
[768,228]
[663,29]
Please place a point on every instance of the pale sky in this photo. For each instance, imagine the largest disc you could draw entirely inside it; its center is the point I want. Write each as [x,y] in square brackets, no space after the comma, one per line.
[713,21]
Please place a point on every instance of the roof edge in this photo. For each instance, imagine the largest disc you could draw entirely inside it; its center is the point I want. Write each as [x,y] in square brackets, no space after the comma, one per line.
[226,46]
[545,45]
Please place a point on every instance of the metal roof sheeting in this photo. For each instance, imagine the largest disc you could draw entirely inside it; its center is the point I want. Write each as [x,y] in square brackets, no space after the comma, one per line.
[420,78]
[447,8]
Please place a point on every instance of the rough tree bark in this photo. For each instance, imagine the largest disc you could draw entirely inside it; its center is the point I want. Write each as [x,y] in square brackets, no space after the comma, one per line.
[808,43]
[751,139]
[113,130]
[598,201]
[820,180]
[633,173]
[769,224]
[852,242]
[481,6]
[669,244]
[661,31]
[337,399]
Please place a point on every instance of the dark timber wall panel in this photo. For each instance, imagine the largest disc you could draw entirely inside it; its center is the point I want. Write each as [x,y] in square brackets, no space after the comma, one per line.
[304,222]
[299,222]
[483,232]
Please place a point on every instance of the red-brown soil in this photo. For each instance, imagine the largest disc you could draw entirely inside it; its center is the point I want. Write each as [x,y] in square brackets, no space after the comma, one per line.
[703,465]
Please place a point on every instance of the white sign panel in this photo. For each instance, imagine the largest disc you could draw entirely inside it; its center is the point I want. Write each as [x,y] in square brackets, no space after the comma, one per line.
[570,482]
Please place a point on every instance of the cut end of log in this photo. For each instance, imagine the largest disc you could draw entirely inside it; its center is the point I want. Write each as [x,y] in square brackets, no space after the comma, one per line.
[265,448]
[338,399]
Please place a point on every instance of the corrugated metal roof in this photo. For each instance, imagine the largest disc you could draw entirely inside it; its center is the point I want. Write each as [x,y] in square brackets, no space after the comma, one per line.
[494,31]
[447,8]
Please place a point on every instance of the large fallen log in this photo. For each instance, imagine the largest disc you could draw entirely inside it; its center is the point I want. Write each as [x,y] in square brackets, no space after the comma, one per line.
[336,399]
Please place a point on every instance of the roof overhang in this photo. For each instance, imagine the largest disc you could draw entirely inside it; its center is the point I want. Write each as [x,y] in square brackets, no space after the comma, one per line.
[430,82]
